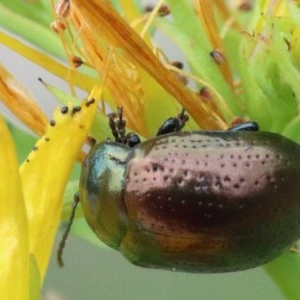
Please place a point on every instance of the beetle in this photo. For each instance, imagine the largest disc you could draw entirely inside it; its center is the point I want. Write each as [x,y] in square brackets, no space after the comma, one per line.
[196,201]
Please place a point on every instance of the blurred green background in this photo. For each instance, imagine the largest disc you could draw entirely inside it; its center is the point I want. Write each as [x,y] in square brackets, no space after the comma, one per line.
[96,273]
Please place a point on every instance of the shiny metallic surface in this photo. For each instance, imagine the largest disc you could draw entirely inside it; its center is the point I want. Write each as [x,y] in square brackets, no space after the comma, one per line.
[100,192]
[196,201]
[212,201]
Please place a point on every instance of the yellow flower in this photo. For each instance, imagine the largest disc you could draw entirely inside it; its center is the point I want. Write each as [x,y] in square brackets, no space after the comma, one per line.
[31,194]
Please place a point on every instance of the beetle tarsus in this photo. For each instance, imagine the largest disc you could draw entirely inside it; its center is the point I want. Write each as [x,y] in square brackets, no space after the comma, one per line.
[62,243]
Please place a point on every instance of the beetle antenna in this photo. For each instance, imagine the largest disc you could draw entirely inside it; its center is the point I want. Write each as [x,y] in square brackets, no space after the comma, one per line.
[117,125]
[121,124]
[62,242]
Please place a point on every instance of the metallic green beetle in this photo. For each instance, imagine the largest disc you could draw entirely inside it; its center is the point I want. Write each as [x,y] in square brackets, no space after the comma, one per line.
[199,201]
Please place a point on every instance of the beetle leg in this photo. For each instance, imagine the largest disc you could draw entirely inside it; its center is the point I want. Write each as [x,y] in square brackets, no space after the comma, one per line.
[245,126]
[121,124]
[173,124]
[62,243]
[112,126]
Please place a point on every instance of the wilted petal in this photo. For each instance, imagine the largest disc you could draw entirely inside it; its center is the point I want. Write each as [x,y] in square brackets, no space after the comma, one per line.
[20,102]
[114,31]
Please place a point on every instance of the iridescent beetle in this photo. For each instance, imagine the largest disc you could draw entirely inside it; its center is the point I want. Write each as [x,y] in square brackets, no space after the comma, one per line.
[197,201]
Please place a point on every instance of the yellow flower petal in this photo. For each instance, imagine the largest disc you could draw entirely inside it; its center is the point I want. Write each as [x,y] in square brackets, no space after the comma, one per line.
[206,16]
[45,61]
[20,102]
[44,174]
[14,249]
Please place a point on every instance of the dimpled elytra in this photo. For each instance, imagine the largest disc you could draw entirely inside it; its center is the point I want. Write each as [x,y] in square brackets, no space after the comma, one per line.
[210,201]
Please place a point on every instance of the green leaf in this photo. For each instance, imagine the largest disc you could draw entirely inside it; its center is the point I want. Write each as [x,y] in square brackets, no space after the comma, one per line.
[81,229]
[24,141]
[35,279]
[23,24]
[285,271]
[79,226]
[192,40]
[38,11]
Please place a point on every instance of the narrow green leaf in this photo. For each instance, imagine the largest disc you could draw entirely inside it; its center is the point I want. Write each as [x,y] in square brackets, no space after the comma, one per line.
[32,31]
[38,11]
[193,42]
[35,280]
[23,141]
[285,271]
